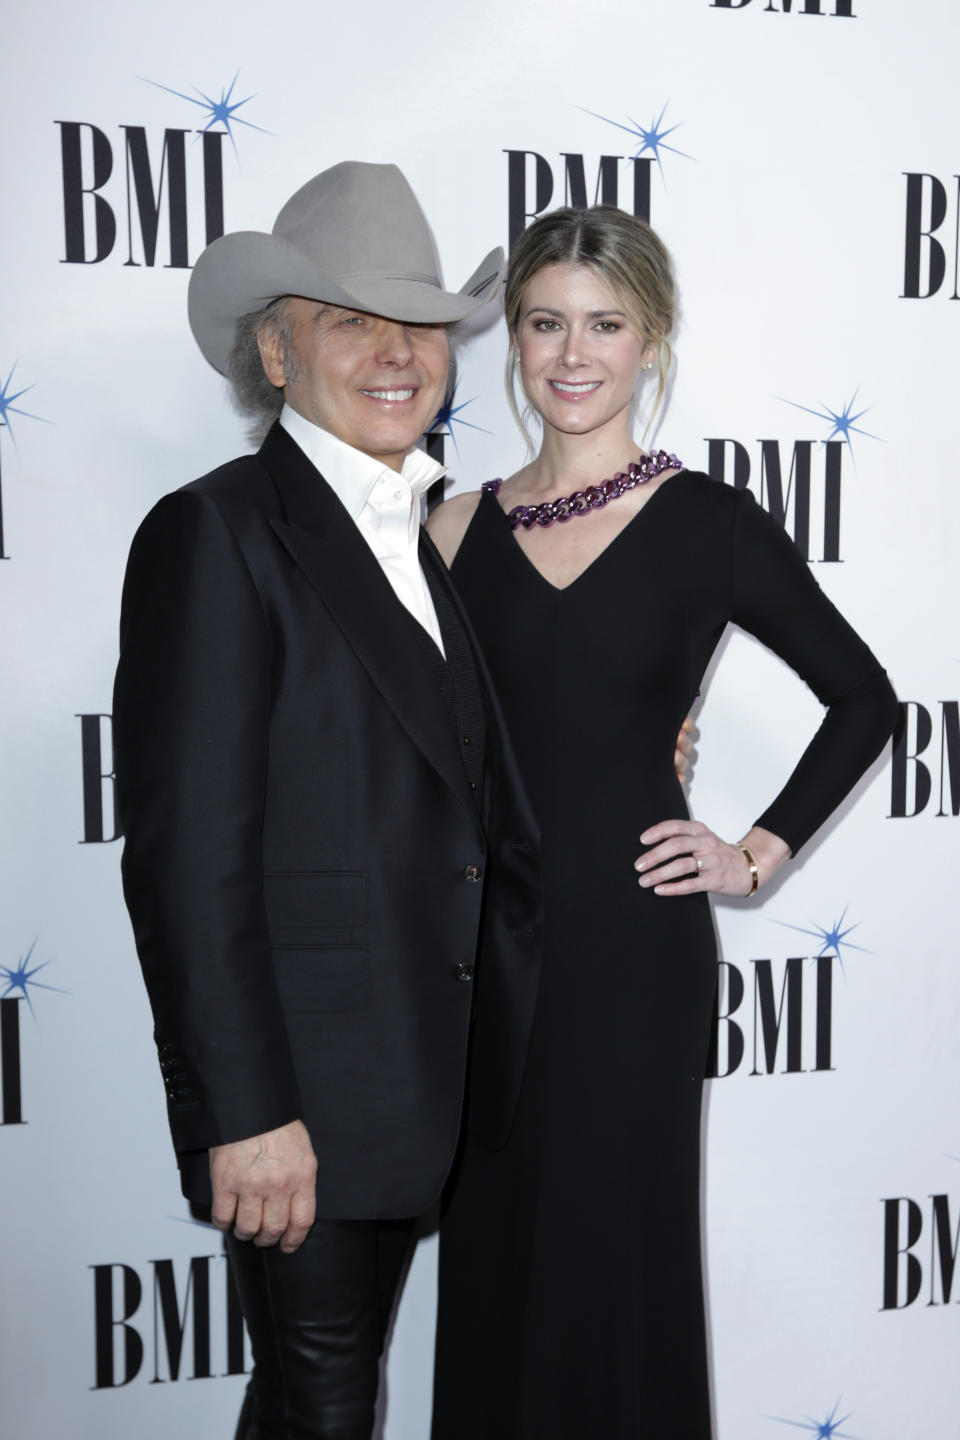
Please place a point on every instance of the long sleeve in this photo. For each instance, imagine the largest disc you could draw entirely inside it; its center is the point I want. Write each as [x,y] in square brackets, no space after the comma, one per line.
[776,598]
[191,711]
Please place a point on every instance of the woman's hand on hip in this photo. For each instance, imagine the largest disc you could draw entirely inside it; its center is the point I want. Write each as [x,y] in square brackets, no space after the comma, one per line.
[686,857]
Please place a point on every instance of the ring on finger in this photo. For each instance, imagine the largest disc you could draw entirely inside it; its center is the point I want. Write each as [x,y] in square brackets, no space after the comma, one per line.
[698,862]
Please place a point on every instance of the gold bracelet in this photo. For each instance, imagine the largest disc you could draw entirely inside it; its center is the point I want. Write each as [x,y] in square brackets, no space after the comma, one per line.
[754,872]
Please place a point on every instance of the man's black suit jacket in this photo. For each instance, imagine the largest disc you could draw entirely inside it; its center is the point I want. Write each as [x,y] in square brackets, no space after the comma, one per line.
[305,866]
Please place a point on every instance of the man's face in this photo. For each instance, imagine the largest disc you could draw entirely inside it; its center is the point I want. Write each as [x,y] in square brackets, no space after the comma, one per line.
[374,383]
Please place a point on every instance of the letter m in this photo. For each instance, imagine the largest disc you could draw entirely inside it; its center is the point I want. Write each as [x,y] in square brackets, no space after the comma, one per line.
[575,181]
[943,1248]
[145,201]
[776,499]
[170,1322]
[950,755]
[771,1019]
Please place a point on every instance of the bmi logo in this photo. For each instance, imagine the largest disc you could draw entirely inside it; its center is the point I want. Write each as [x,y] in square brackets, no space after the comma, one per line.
[919,1235]
[788,1026]
[191,1328]
[156,174]
[8,408]
[806,492]
[842,10]
[531,178]
[22,978]
[912,777]
[927,246]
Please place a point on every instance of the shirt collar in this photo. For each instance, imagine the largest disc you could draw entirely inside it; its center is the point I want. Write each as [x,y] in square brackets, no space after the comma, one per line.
[350,473]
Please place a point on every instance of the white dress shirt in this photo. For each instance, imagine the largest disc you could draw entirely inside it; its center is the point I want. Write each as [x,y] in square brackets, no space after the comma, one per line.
[386,506]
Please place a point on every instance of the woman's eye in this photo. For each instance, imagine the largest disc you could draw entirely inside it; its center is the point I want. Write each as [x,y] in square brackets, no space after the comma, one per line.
[352,320]
[546,324]
[608,327]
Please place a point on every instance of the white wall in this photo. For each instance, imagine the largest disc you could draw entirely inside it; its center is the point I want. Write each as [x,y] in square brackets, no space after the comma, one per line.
[787,215]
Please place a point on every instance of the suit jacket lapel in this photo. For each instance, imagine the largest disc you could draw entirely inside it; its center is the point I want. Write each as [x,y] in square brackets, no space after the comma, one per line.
[324,542]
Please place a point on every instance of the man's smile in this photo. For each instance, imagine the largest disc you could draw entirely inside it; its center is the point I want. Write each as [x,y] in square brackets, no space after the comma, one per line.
[392,396]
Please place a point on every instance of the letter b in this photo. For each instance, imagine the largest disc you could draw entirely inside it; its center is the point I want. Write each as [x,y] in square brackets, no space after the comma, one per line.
[734,1034]
[903,758]
[99,785]
[517,188]
[106,1323]
[914,249]
[74,191]
[892,1251]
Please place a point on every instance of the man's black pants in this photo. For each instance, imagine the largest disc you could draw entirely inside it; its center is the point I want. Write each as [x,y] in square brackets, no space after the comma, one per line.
[317,1321]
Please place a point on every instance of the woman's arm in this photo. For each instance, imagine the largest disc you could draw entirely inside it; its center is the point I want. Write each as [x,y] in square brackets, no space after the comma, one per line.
[775,597]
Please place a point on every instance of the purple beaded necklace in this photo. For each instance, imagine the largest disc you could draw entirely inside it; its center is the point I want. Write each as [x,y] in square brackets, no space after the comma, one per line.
[581,502]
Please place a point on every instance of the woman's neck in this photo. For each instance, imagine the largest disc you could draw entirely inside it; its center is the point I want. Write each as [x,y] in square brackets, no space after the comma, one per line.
[570,462]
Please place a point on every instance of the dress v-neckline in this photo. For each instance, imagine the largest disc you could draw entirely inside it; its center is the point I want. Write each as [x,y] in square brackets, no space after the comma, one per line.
[610,545]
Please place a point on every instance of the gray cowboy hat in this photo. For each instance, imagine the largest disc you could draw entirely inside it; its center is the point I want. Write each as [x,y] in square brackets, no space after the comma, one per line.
[355,236]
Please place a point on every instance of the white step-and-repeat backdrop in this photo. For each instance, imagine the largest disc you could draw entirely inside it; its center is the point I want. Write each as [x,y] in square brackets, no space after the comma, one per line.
[800,160]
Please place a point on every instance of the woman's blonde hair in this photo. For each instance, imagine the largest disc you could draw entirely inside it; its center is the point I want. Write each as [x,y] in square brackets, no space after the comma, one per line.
[627,255]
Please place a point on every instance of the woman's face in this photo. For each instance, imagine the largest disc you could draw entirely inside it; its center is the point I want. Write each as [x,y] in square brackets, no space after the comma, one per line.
[580,354]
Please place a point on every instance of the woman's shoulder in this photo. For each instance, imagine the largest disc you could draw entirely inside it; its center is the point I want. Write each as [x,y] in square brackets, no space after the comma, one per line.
[699,483]
[712,498]
[448,522]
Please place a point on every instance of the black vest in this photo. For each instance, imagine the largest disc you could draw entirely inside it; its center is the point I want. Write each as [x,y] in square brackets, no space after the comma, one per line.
[456,676]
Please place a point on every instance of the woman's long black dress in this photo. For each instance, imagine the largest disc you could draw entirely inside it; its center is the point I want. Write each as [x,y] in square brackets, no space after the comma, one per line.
[570,1285]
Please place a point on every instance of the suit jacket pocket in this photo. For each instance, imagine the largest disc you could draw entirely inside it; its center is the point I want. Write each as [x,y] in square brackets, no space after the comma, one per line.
[323,978]
[307,908]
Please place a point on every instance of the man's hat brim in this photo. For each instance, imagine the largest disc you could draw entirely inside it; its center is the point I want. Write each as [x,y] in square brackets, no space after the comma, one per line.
[242,272]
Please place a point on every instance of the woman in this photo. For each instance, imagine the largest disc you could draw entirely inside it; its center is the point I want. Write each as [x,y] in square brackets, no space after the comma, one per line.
[571,1299]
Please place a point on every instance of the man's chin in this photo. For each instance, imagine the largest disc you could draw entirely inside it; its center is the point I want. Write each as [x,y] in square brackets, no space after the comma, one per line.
[392,438]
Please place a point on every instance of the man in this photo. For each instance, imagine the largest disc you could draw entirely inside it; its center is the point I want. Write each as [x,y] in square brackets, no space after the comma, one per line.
[317,799]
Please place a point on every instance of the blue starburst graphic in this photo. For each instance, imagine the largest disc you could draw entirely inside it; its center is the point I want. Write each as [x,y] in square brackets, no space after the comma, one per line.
[652,137]
[8,408]
[22,979]
[830,939]
[843,421]
[828,1429]
[221,112]
[192,1220]
[449,416]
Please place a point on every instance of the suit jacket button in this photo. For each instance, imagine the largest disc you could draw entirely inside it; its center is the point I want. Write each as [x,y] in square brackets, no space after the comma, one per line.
[464,972]
[472,874]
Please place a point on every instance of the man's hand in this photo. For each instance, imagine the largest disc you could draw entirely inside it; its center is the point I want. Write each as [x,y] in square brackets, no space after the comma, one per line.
[684,750]
[265,1187]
